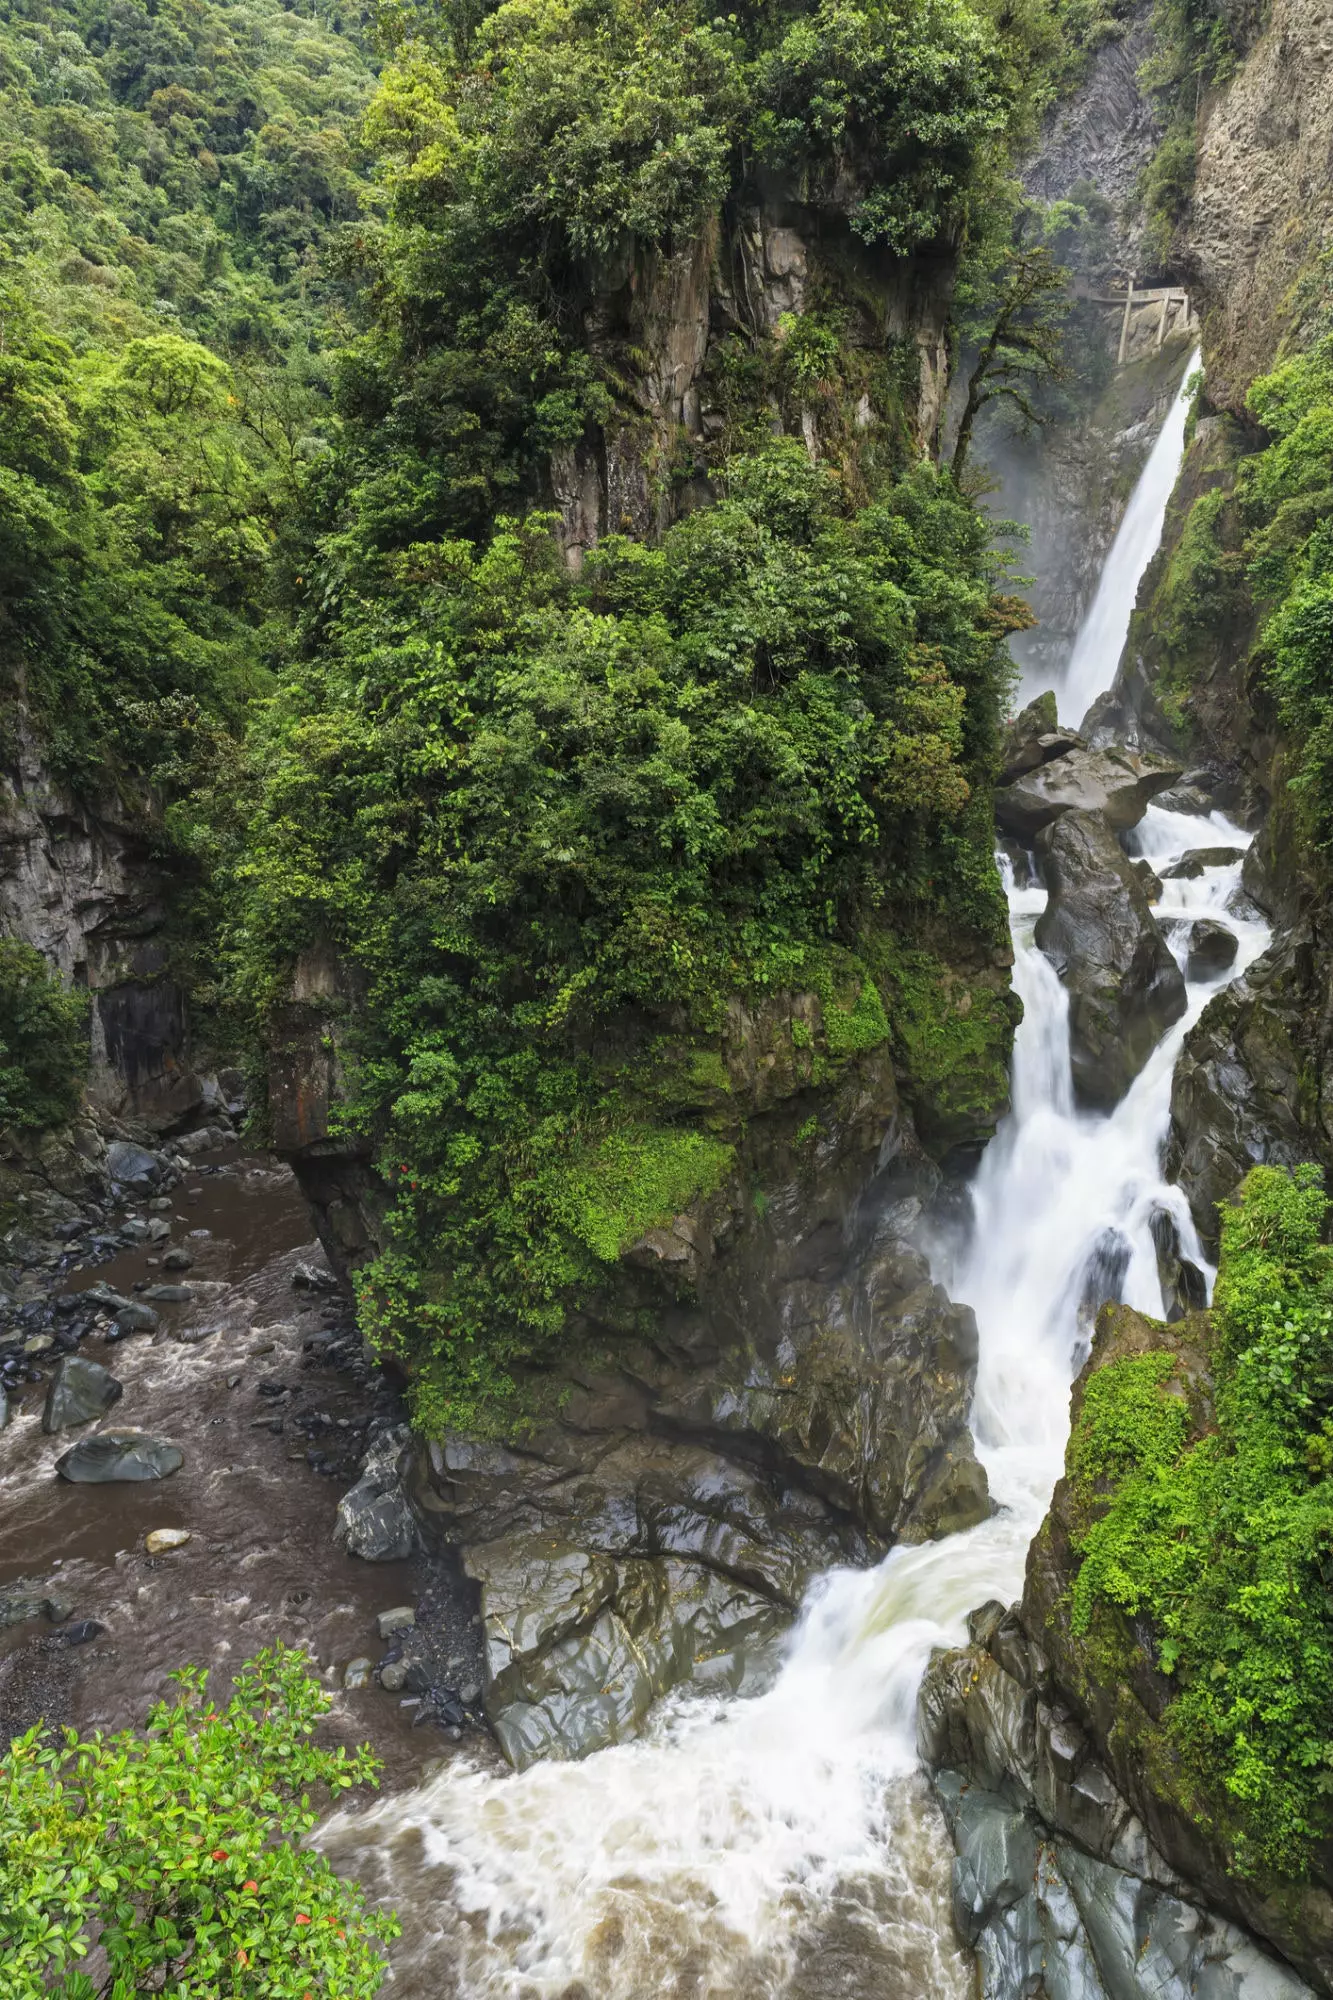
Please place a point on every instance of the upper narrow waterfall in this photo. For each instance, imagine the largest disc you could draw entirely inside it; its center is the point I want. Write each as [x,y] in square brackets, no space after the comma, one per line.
[1101,638]
[785,1846]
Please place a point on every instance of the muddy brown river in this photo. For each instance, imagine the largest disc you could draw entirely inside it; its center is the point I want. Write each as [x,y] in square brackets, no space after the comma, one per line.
[239,1377]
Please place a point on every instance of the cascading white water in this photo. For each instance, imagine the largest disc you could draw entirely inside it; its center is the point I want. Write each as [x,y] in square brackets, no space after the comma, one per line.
[1101,638]
[784,1847]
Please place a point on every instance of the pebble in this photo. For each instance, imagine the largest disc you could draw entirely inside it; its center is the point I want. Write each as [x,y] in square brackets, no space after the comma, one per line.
[38,1343]
[161,1540]
[400,1619]
[357,1673]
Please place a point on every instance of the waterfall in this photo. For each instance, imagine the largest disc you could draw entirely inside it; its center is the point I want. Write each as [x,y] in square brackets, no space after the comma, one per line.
[1101,638]
[785,1846]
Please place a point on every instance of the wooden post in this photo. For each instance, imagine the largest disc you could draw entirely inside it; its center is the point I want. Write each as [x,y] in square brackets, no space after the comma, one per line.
[1124,324]
[1161,319]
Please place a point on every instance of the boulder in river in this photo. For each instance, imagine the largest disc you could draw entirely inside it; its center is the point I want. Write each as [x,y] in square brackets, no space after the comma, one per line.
[108,1457]
[1120,784]
[1033,738]
[375,1519]
[136,1319]
[1191,866]
[132,1166]
[1124,985]
[1210,948]
[80,1391]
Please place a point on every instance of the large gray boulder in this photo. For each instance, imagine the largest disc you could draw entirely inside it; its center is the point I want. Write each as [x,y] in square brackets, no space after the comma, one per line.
[114,1456]
[1033,738]
[1120,784]
[375,1519]
[80,1391]
[1125,988]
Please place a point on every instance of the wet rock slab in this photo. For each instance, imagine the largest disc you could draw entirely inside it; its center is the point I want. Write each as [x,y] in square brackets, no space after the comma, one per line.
[1120,784]
[1098,930]
[111,1456]
[80,1391]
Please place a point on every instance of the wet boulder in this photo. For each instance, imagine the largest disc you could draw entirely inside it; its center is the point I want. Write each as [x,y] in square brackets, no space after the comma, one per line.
[109,1457]
[136,1319]
[1119,784]
[1125,988]
[80,1391]
[375,1519]
[1033,738]
[1210,948]
[1152,885]
[1192,865]
[133,1166]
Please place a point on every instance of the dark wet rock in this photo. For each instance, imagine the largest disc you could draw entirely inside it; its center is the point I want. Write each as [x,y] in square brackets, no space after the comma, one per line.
[112,1456]
[177,1260]
[169,1295]
[137,1319]
[1119,784]
[82,1633]
[1185,798]
[1033,738]
[1210,948]
[1242,1080]
[1184,1286]
[133,1166]
[103,1296]
[21,1604]
[1124,985]
[1192,865]
[376,1520]
[80,1391]
[669,1525]
[314,1278]
[1151,884]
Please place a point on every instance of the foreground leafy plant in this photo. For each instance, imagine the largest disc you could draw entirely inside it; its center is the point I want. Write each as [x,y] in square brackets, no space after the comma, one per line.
[171,1860]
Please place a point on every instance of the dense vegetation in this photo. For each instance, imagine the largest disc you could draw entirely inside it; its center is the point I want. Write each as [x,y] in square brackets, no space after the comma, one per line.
[175,1853]
[1222,1541]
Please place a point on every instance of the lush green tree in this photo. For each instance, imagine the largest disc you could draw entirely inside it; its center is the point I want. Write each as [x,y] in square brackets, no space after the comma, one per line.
[171,1860]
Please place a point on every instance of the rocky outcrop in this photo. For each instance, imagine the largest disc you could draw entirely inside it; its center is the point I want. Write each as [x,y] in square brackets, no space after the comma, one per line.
[80,882]
[1052,1756]
[1261,213]
[1057,1886]
[666,1525]
[1097,929]
[1249,1087]
[1115,782]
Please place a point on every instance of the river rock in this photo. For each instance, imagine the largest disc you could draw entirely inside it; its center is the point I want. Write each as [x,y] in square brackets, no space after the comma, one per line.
[1117,783]
[1124,985]
[375,1519]
[400,1619]
[80,1391]
[357,1673]
[1191,866]
[161,1541]
[132,1166]
[1151,883]
[177,1260]
[111,1456]
[136,1319]
[1210,948]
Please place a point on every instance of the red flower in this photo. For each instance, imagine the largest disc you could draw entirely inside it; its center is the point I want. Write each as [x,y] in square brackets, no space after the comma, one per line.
[301,1918]
[218,1854]
[251,1886]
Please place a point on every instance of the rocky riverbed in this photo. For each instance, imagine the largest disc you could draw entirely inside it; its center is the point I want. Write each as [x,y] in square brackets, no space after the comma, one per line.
[182,1302]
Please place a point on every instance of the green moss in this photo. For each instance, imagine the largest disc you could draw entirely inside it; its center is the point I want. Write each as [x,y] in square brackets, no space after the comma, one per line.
[635,1180]
[852,1030]
[952,1038]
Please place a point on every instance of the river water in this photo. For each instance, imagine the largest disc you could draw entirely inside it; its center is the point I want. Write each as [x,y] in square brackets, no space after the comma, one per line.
[785,1845]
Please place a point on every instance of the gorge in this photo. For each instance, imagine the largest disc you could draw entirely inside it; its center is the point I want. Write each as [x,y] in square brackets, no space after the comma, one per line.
[632,1110]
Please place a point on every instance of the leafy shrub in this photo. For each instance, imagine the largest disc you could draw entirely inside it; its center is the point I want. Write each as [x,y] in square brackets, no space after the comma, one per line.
[176,1853]
[1224,1541]
[43,1041]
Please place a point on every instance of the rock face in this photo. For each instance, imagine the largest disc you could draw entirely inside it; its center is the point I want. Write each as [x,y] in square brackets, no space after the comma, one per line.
[1057,1885]
[1051,1764]
[1119,784]
[1032,739]
[665,1527]
[1097,929]
[80,1390]
[111,1456]
[80,884]
[1243,1080]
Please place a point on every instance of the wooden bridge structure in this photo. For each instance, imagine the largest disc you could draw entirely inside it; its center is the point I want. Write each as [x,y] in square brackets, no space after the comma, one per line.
[1165,296]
